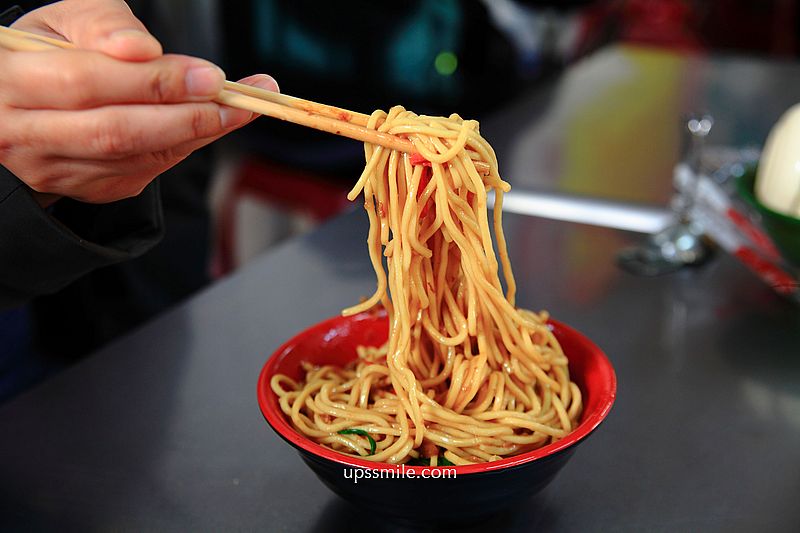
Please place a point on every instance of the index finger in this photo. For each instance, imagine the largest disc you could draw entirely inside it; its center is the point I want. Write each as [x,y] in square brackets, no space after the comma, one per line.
[79,79]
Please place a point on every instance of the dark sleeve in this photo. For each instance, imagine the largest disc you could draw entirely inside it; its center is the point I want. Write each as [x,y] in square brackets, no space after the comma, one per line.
[43,251]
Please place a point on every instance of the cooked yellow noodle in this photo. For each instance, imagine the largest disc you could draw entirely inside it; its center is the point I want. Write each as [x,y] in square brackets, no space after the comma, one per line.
[464,373]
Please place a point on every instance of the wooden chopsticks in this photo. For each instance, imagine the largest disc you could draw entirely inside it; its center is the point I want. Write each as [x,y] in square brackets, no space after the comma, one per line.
[310,114]
[276,105]
[29,42]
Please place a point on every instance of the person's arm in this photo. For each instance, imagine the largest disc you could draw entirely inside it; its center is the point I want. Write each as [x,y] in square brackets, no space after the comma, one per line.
[84,132]
[43,250]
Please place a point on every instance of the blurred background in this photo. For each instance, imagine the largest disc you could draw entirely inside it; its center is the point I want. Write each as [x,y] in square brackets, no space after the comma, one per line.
[501,62]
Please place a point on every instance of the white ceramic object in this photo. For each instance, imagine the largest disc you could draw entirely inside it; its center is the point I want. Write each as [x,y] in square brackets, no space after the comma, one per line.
[778,179]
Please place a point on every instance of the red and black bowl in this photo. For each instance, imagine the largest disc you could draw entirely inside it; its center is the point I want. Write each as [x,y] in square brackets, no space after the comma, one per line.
[426,495]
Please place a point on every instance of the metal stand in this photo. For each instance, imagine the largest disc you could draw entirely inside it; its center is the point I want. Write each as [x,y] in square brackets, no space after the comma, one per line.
[681,243]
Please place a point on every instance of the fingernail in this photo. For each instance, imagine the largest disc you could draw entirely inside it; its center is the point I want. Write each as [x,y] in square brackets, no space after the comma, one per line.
[129,33]
[204,81]
[267,82]
[123,37]
[132,44]
[230,117]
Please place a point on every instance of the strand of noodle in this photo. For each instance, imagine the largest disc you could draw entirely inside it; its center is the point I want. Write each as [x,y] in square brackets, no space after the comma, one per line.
[462,367]
[456,459]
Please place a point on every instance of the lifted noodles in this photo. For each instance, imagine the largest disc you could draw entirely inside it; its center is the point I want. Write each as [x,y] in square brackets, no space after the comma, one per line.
[465,376]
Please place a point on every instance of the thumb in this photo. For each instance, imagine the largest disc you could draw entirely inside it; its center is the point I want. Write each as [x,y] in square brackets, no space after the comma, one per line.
[107,26]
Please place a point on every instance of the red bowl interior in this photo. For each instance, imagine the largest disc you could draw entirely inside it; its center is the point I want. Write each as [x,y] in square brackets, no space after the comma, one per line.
[334,341]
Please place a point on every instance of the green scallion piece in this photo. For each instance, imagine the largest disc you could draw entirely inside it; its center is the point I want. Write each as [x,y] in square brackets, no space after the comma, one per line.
[356,431]
[442,461]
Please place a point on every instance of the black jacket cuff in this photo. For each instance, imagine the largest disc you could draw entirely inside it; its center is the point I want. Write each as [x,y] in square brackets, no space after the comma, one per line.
[42,251]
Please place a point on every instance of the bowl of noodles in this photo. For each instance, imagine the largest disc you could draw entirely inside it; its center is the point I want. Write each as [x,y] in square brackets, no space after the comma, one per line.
[437,400]
[410,492]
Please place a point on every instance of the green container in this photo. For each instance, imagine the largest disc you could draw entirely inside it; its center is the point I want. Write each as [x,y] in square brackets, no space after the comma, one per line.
[783,229]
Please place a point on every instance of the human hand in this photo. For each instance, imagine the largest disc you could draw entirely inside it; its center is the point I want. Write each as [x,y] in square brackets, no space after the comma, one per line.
[99,123]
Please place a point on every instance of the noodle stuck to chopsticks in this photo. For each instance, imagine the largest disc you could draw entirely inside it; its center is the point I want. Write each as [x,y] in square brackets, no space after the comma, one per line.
[465,376]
